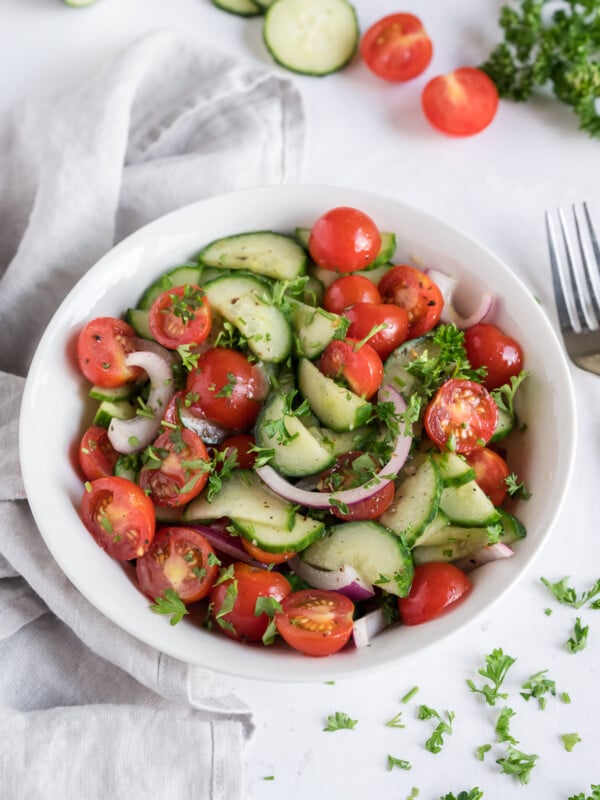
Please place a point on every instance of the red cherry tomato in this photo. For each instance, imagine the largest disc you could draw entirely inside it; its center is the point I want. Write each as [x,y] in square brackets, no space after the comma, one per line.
[262,556]
[344,240]
[360,368]
[178,559]
[414,291]
[491,472]
[101,349]
[461,103]
[234,600]
[365,317]
[120,517]
[397,47]
[226,388]
[180,315]
[241,446]
[487,346]
[436,588]
[346,291]
[177,469]
[97,456]
[315,621]
[346,474]
[462,416]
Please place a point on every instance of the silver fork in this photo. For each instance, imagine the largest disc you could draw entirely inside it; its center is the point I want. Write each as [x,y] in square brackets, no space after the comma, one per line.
[576,283]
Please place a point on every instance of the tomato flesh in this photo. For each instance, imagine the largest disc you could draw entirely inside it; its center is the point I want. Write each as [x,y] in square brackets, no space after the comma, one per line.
[97,456]
[384,326]
[316,622]
[461,103]
[436,588]
[344,240]
[501,355]
[101,349]
[397,48]
[348,290]
[491,472]
[348,473]
[177,469]
[417,294]
[462,416]
[360,367]
[180,316]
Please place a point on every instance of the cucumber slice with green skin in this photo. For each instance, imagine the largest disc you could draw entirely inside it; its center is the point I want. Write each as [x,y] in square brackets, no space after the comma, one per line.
[416,502]
[435,532]
[454,469]
[273,255]
[119,409]
[245,302]
[395,371]
[312,37]
[506,423]
[112,395]
[127,467]
[272,539]
[264,4]
[296,452]
[467,505]
[338,442]
[184,275]
[138,318]
[385,255]
[336,407]
[241,8]
[314,328]
[379,556]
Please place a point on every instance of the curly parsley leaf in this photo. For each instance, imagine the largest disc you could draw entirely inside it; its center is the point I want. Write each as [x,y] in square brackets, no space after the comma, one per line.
[568,596]
[497,664]
[436,741]
[517,763]
[170,603]
[538,686]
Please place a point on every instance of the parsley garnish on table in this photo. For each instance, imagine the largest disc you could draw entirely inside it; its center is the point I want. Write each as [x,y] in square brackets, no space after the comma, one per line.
[340,720]
[497,664]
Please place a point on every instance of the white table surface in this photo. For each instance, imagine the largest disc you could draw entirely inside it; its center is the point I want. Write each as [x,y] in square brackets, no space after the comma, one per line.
[365,133]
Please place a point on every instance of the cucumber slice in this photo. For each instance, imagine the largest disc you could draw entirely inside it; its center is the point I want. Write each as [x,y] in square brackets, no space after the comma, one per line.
[338,442]
[336,407]
[453,468]
[127,467]
[435,532]
[138,319]
[304,532]
[296,452]
[312,37]
[395,372]
[112,395]
[263,252]
[184,275]
[241,8]
[468,505]
[314,328]
[415,503]
[245,301]
[506,423]
[379,556]
[119,409]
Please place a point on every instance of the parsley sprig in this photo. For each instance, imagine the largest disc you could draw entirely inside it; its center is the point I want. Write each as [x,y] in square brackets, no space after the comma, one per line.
[170,603]
[436,741]
[497,664]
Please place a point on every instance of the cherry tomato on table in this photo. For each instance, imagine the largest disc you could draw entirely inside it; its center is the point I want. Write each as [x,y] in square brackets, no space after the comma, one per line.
[461,103]
[348,290]
[181,315]
[397,48]
[120,517]
[316,622]
[177,468]
[491,472]
[391,320]
[487,346]
[179,559]
[346,474]
[344,239]
[360,367]
[462,416]
[97,456]
[101,349]
[234,601]
[416,293]
[436,588]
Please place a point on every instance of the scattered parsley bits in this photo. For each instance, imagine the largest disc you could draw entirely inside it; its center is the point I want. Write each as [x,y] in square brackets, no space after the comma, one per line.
[568,596]
[414,793]
[578,639]
[397,762]
[436,741]
[517,763]
[539,686]
[595,795]
[570,740]
[472,794]
[502,725]
[410,694]
[339,721]
[482,750]
[395,721]
[495,670]
[170,603]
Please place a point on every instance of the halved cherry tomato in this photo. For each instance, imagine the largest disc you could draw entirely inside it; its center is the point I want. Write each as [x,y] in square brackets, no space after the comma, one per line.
[360,367]
[316,622]
[234,600]
[120,517]
[397,47]
[181,315]
[347,473]
[344,239]
[176,468]
[348,290]
[262,555]
[240,445]
[487,346]
[226,388]
[491,472]
[391,319]
[436,588]
[414,291]
[97,456]
[462,416]
[461,103]
[101,349]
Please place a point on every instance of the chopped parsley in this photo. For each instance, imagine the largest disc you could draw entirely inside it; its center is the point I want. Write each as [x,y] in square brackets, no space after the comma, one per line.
[570,740]
[471,794]
[170,603]
[497,664]
[338,721]
[538,686]
[436,741]
[401,763]
[568,596]
[517,763]
[578,639]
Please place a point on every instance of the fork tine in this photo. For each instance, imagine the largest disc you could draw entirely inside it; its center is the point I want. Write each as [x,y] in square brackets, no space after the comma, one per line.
[578,292]
[564,307]
[592,276]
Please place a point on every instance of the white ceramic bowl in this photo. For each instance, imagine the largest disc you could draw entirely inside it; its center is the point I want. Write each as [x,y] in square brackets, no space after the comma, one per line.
[55,412]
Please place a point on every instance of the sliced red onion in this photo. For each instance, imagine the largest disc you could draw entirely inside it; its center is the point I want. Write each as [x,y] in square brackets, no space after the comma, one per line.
[344,580]
[150,346]
[224,542]
[447,286]
[365,628]
[491,552]
[133,435]
[349,497]
[210,432]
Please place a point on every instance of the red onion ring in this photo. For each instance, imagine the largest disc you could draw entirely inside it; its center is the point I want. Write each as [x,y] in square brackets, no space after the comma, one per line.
[365,628]
[447,286]
[225,543]
[348,497]
[344,580]
[491,552]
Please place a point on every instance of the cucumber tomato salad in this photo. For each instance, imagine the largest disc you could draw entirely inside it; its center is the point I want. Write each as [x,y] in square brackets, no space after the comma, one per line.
[301,436]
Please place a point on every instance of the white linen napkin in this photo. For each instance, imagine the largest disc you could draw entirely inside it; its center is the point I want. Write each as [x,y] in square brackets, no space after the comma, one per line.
[87,711]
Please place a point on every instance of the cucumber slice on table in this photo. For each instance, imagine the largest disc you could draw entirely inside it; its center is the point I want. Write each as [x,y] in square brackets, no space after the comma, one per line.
[262,252]
[313,37]
[241,8]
